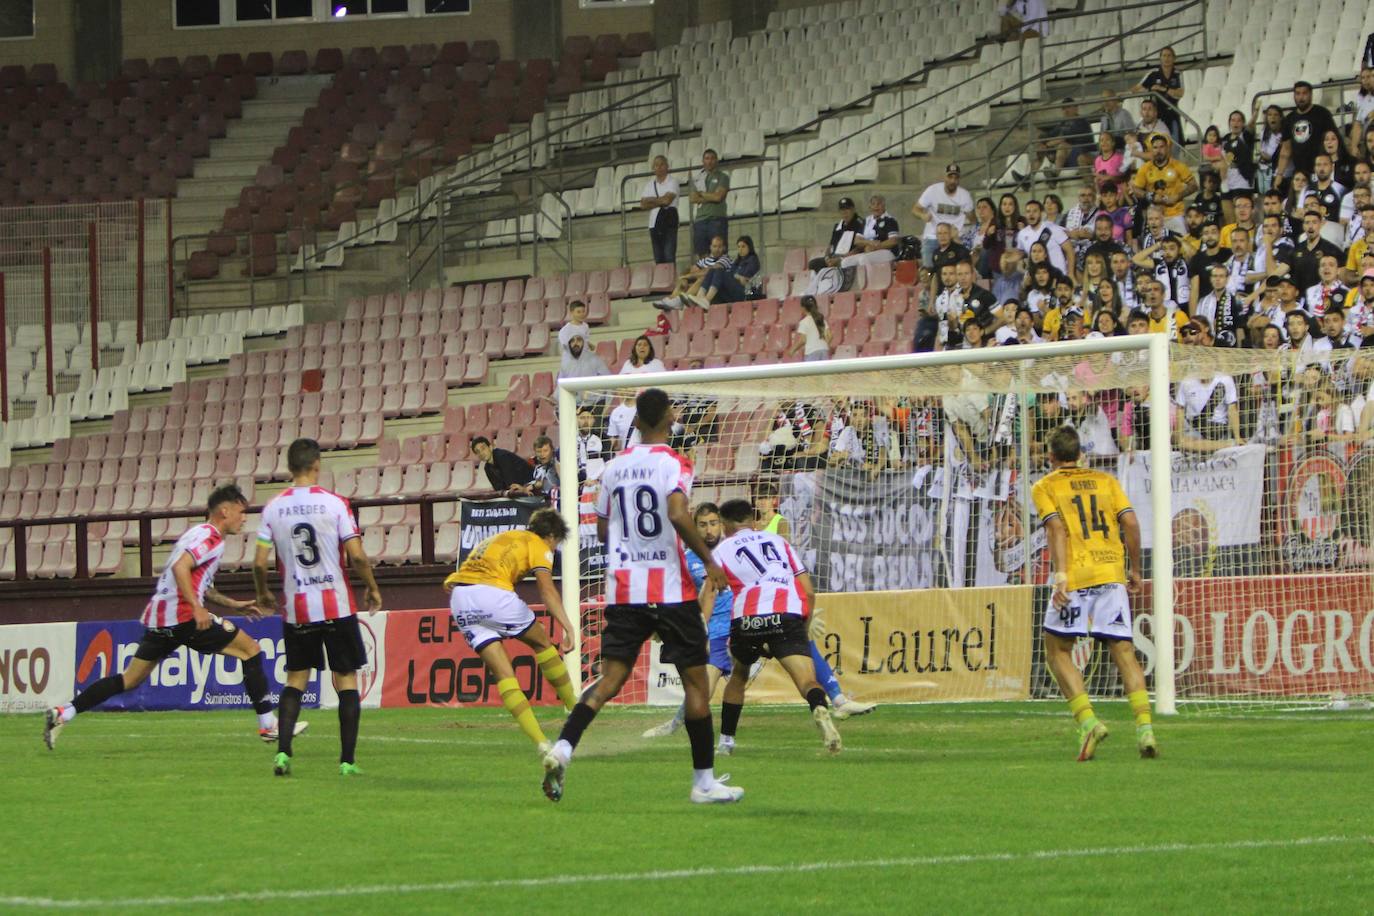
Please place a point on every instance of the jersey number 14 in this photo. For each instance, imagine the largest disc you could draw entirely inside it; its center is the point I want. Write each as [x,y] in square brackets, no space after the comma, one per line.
[1092,519]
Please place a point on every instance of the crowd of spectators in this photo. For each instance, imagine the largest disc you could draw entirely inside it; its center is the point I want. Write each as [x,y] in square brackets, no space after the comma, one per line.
[1260,242]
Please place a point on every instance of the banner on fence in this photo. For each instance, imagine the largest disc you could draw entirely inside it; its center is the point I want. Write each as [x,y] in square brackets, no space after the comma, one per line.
[1216,500]
[36,666]
[908,646]
[185,679]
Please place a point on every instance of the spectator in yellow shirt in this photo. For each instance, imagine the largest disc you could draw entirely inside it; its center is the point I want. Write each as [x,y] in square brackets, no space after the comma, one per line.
[1166,182]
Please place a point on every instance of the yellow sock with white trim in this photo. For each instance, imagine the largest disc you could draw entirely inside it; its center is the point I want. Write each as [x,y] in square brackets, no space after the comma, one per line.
[519,707]
[1082,709]
[1140,706]
[556,672]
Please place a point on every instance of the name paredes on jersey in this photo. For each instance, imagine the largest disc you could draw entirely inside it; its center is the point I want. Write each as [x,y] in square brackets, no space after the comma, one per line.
[291,510]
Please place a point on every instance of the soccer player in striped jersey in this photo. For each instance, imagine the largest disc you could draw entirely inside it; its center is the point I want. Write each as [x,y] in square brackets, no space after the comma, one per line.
[842,706]
[644,520]
[176,616]
[311,531]
[773,606]
[715,606]
[1093,532]
[487,610]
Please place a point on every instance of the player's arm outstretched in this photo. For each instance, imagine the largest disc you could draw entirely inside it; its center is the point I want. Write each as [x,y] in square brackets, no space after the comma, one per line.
[249,608]
[548,593]
[181,572]
[680,514]
[362,568]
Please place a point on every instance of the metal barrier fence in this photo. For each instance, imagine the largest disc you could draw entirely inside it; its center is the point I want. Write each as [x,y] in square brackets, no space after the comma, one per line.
[79,282]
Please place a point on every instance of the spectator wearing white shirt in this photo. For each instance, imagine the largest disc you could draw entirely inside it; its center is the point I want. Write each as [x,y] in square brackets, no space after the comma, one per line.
[1055,239]
[642,358]
[659,197]
[942,202]
[574,325]
[813,337]
[1211,415]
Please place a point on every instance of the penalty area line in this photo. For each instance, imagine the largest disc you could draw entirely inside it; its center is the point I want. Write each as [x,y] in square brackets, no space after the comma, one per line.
[796,868]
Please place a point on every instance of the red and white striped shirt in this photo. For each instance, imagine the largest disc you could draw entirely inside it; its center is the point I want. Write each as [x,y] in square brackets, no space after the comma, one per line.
[167,608]
[309,526]
[645,560]
[762,569]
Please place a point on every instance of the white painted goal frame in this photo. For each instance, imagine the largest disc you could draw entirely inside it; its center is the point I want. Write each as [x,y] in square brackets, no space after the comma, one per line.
[1156,346]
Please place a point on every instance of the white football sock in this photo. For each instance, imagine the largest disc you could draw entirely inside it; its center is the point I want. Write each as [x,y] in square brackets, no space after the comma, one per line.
[704,779]
[66,712]
[267,720]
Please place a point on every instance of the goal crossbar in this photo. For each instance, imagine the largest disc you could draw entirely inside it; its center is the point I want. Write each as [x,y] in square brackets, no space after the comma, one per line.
[1154,346]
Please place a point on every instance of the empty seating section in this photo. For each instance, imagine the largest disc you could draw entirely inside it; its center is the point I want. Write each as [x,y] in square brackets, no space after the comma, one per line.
[81,393]
[389,120]
[131,137]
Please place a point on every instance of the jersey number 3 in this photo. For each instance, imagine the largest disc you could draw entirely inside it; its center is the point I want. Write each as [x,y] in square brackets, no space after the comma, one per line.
[307,548]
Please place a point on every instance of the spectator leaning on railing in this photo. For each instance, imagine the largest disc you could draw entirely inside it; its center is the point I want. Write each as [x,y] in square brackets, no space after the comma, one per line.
[506,471]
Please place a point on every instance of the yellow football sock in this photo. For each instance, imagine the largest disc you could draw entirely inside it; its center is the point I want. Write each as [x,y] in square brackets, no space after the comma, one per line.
[1140,705]
[519,707]
[1082,708]
[557,674]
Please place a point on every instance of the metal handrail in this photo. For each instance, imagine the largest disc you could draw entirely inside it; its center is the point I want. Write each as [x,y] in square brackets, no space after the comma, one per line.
[145,521]
[745,162]
[1317,87]
[548,139]
[992,153]
[1041,72]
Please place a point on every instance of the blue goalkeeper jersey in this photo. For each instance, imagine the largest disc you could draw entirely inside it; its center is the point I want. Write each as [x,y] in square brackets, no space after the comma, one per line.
[719,624]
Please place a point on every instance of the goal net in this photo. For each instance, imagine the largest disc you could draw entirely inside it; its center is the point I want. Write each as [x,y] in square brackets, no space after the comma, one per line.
[904,484]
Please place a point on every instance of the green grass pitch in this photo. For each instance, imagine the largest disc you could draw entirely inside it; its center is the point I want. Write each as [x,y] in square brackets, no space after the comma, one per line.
[938,808]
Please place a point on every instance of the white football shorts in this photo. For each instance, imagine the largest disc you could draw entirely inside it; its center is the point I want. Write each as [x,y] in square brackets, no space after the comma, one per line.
[488,614]
[1102,612]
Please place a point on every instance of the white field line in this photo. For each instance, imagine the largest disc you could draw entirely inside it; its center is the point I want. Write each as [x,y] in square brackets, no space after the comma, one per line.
[569,880]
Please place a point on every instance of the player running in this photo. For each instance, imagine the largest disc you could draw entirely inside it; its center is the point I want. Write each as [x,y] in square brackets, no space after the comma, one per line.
[176,616]
[842,706]
[487,610]
[312,530]
[1087,517]
[715,604]
[773,600]
[643,519]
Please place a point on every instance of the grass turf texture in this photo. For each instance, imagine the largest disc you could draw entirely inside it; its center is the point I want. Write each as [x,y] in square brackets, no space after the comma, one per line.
[930,808]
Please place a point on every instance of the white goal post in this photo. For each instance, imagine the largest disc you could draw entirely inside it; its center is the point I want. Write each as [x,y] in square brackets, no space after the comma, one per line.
[950,368]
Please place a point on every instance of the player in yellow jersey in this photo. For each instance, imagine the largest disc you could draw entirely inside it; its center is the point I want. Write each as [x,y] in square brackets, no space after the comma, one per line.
[1093,533]
[486,609]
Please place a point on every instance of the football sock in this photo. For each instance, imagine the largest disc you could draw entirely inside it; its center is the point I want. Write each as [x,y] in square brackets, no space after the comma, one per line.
[814,697]
[729,718]
[1140,706]
[350,711]
[702,738]
[1082,709]
[98,693]
[824,673]
[556,673]
[288,711]
[519,707]
[255,685]
[681,715]
[576,723]
[66,712]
